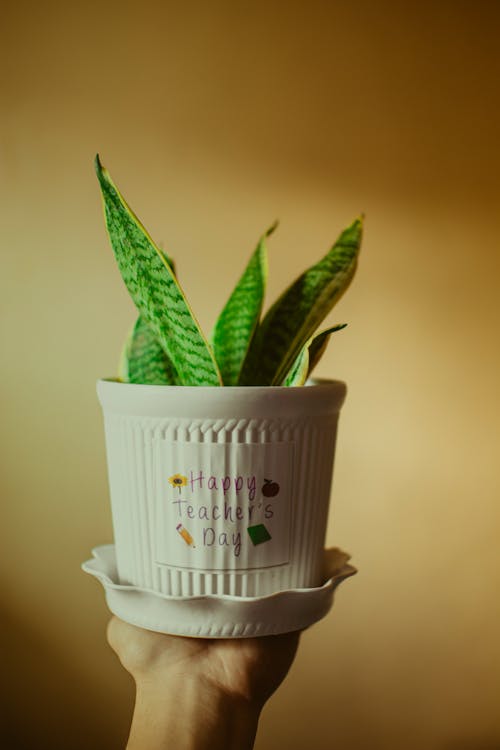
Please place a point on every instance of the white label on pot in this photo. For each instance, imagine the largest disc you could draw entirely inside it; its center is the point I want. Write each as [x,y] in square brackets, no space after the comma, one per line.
[223,506]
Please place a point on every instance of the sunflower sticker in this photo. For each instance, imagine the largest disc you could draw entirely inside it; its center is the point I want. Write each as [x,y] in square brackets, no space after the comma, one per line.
[178,480]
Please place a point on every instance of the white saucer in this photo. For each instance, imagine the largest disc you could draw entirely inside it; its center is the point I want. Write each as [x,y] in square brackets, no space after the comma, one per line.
[212,616]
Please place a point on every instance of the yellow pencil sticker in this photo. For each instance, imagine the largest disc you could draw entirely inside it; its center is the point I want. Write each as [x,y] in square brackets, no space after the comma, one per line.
[185,535]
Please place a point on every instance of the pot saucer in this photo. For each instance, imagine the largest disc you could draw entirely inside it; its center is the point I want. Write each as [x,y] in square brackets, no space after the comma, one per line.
[212,616]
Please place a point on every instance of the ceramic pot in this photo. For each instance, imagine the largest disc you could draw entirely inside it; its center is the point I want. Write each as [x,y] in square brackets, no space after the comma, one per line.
[220,491]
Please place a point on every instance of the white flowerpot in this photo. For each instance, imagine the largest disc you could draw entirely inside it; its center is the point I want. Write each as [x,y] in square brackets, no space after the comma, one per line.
[220,491]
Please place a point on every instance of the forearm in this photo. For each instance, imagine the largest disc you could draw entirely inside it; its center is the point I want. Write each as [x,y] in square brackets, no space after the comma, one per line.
[188,715]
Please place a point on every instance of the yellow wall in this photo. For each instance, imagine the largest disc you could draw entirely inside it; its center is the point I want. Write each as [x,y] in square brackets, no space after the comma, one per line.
[215,118]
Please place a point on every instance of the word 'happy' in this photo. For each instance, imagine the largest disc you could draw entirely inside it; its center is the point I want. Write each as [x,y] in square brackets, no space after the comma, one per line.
[224,484]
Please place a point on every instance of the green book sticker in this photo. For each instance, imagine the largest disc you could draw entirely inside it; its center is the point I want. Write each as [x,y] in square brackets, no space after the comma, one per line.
[259,534]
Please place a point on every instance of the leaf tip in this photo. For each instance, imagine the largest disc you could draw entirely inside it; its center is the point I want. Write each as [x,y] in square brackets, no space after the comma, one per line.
[272,228]
[101,171]
[97,164]
[359,222]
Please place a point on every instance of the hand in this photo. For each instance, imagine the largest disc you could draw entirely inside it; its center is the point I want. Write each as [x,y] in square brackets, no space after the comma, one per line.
[247,668]
[197,692]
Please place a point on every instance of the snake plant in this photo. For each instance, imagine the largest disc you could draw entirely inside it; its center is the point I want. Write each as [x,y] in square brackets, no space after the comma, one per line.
[167,346]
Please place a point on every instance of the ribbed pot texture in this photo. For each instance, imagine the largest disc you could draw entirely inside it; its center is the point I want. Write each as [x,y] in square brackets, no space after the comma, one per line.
[220,491]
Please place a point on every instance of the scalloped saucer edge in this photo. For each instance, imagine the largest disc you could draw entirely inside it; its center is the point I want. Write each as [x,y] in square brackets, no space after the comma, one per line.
[218,616]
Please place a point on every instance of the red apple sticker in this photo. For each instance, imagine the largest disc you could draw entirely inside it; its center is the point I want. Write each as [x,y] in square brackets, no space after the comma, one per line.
[270,488]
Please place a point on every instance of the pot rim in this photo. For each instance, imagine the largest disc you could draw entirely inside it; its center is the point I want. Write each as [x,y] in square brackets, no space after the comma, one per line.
[321,397]
[312,382]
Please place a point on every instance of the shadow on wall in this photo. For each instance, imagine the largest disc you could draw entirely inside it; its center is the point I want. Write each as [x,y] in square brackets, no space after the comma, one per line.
[45,702]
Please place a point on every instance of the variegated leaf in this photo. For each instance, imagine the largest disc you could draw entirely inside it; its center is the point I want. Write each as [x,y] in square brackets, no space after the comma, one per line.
[309,356]
[295,316]
[143,359]
[236,324]
[155,291]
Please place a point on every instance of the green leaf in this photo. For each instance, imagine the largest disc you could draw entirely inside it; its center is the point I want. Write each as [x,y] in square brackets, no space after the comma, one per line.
[155,290]
[238,320]
[168,260]
[294,317]
[309,356]
[143,360]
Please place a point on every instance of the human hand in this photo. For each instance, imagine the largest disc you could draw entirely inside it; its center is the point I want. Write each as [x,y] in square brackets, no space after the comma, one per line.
[197,692]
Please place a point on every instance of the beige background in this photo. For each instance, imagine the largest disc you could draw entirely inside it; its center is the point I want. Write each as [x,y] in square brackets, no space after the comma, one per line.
[215,118]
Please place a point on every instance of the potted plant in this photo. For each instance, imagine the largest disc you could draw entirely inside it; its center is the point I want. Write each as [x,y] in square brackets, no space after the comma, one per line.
[220,450]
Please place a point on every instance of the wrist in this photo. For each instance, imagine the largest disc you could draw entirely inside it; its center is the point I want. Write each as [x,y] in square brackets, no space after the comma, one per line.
[191,713]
